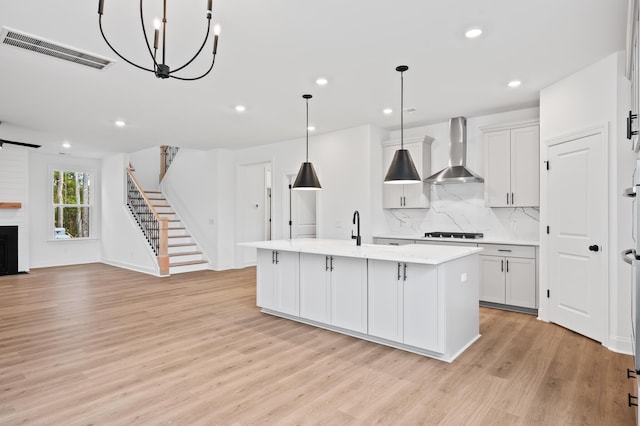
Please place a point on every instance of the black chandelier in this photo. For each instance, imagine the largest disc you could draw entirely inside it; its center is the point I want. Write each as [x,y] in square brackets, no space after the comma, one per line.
[162,70]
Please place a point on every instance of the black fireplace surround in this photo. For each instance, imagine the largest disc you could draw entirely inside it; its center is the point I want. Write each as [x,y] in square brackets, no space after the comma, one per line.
[8,250]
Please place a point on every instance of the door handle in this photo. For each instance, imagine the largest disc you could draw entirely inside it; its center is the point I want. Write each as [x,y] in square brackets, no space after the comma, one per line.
[630,119]
[594,247]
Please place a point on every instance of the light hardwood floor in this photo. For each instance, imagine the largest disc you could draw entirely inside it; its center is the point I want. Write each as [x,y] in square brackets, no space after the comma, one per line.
[94,344]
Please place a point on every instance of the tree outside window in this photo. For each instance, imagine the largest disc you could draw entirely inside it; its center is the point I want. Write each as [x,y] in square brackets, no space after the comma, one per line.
[71,205]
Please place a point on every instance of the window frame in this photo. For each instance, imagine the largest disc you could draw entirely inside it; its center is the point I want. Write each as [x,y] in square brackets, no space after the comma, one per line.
[92,177]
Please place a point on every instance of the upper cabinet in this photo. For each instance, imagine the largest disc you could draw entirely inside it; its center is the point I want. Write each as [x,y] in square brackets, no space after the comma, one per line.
[412,196]
[512,165]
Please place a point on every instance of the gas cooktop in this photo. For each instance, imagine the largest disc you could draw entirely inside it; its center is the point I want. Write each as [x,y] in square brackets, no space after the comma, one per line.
[469,235]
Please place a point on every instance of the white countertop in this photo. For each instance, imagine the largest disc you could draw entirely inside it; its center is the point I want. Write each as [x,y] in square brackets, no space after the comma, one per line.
[411,253]
[460,240]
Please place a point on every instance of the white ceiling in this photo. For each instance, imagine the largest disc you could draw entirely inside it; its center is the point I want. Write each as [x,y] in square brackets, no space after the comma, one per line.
[271,52]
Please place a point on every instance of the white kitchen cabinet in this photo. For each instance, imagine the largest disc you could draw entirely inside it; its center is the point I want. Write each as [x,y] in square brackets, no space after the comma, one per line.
[508,275]
[278,287]
[413,195]
[404,301]
[512,165]
[333,290]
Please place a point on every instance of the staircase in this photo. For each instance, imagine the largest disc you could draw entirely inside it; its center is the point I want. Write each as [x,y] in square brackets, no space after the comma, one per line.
[184,253]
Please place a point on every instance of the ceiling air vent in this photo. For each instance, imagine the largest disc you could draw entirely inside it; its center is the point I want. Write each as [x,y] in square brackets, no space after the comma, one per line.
[46,47]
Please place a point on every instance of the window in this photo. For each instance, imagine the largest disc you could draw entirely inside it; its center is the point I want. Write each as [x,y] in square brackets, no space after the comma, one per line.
[71,195]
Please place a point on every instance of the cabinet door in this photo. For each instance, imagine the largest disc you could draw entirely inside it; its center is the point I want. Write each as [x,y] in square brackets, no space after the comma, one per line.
[349,293]
[498,173]
[520,282]
[286,279]
[265,286]
[385,300]
[525,166]
[314,287]
[422,304]
[414,194]
[392,195]
[492,287]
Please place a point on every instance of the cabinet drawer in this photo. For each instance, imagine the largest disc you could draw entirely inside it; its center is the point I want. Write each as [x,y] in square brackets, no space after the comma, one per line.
[508,250]
[391,241]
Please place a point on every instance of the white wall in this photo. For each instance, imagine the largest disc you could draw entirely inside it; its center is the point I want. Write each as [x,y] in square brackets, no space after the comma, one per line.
[14,187]
[123,243]
[147,165]
[190,186]
[598,95]
[44,250]
[461,207]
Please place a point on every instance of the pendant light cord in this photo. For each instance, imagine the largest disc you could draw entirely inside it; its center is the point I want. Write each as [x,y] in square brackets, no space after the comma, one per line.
[401,109]
[307,130]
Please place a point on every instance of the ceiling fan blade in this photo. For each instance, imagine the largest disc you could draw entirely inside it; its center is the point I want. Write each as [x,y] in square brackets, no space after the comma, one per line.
[29,145]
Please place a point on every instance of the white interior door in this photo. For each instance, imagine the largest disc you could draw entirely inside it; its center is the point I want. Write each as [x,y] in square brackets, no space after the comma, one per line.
[577,212]
[254,206]
[302,212]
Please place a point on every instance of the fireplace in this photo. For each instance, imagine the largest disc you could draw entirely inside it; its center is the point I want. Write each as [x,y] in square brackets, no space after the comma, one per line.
[8,250]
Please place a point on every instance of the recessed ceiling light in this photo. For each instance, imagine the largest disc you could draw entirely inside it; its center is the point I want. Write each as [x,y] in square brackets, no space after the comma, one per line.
[514,83]
[321,81]
[120,123]
[241,108]
[66,145]
[387,111]
[473,33]
[311,128]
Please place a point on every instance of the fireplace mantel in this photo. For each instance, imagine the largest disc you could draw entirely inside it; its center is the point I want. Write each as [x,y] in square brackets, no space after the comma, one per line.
[10,205]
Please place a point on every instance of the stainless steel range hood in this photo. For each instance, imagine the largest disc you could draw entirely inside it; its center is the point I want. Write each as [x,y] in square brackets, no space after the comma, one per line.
[457,172]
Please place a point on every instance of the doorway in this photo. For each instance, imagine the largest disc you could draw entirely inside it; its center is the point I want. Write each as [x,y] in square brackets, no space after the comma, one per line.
[254,206]
[302,210]
[577,253]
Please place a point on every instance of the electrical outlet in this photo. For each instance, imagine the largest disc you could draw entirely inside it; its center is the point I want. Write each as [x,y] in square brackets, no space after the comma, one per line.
[463,277]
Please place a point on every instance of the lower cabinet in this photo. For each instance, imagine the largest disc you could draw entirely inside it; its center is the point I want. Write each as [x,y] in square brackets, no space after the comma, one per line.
[279,281]
[405,304]
[333,290]
[508,275]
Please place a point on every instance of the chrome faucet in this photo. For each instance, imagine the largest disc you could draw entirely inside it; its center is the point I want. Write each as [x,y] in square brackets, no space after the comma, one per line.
[358,239]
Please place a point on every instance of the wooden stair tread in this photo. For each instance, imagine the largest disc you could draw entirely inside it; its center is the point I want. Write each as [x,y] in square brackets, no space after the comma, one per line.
[186,253]
[193,262]
[152,192]
[179,236]
[181,245]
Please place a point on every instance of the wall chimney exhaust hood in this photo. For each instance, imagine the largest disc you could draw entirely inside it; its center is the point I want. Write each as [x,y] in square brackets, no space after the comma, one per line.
[457,172]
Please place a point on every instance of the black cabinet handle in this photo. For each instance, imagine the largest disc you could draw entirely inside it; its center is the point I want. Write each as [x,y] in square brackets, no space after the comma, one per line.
[502,265]
[507,198]
[405,272]
[512,198]
[277,253]
[399,276]
[273,256]
[630,119]
[594,247]
[631,374]
[331,262]
[631,401]
[326,263]
[507,265]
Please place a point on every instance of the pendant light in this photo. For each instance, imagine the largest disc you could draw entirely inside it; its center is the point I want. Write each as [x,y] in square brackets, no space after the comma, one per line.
[402,170]
[307,178]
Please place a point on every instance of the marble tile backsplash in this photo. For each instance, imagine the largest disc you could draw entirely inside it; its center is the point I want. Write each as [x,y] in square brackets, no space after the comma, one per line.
[461,208]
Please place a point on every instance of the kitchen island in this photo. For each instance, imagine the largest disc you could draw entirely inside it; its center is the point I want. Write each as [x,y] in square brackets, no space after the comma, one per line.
[422,299]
